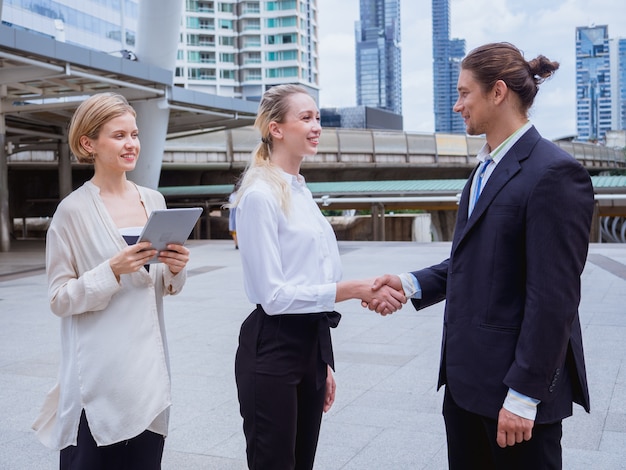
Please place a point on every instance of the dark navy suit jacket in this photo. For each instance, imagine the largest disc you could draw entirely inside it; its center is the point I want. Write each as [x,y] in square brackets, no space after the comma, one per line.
[512,285]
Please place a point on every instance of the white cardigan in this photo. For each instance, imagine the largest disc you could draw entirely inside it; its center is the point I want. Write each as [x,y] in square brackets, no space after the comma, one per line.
[114,360]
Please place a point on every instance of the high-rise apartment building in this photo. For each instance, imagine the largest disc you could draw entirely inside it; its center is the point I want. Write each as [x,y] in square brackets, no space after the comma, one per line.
[593,83]
[241,48]
[447,56]
[378,55]
[229,48]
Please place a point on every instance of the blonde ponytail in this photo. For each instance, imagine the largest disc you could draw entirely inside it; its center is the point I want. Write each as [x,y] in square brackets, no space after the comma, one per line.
[273,108]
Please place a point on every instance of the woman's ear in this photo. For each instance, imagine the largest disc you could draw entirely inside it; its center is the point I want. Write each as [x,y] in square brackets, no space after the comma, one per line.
[275,130]
[85,143]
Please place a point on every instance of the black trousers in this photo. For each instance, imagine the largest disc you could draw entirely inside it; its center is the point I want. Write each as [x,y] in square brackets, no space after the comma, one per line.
[143,452]
[472,443]
[281,385]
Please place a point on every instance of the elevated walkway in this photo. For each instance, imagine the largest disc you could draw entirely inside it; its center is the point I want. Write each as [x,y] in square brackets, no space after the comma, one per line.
[362,154]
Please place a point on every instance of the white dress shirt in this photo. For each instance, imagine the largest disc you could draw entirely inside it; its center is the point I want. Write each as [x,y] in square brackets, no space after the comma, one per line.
[291,261]
[496,155]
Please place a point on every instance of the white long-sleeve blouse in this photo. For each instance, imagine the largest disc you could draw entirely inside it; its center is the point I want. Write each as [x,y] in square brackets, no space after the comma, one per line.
[114,360]
[291,261]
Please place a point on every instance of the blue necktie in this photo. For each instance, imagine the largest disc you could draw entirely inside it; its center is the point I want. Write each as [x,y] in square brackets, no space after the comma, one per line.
[479,181]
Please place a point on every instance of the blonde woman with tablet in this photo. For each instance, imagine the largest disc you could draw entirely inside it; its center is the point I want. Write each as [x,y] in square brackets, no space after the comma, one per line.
[110,406]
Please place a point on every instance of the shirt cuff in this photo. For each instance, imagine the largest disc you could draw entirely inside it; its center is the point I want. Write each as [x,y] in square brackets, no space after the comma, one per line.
[521,405]
[411,286]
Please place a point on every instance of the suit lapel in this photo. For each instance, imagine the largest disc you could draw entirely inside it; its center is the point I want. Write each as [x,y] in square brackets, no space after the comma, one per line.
[508,167]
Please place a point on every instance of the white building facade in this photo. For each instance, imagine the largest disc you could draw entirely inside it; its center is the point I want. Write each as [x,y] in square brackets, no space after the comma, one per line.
[241,48]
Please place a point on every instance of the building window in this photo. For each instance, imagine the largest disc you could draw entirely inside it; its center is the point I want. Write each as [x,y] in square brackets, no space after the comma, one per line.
[200,40]
[282,72]
[251,7]
[251,24]
[226,7]
[227,74]
[282,22]
[226,24]
[130,38]
[252,41]
[201,74]
[200,23]
[200,6]
[201,57]
[252,58]
[281,55]
[282,39]
[281,5]
[252,75]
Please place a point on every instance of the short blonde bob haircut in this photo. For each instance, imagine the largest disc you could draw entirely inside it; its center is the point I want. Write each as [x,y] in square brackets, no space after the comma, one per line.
[90,116]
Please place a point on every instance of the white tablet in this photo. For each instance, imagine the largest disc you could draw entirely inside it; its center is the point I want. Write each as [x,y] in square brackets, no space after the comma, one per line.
[169,226]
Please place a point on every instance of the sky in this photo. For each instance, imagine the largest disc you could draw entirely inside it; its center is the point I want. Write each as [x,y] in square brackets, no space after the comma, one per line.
[536,27]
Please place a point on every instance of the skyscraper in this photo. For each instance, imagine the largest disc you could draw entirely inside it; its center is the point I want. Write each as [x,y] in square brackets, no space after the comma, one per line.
[447,56]
[617,51]
[593,82]
[378,55]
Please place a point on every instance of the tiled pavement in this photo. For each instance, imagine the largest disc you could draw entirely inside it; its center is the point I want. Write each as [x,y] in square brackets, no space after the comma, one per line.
[387,414]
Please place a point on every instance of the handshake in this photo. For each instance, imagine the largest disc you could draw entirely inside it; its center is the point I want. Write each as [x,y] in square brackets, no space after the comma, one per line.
[385,295]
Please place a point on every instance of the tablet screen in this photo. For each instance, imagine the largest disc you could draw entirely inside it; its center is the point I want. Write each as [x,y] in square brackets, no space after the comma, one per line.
[169,226]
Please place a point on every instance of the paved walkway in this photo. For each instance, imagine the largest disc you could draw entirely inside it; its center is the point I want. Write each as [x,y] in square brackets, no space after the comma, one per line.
[387,414]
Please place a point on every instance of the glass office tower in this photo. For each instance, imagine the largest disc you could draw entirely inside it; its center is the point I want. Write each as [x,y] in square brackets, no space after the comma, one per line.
[593,83]
[104,25]
[447,56]
[378,55]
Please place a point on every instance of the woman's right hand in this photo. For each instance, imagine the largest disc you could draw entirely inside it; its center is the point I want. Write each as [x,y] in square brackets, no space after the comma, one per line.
[131,259]
[387,291]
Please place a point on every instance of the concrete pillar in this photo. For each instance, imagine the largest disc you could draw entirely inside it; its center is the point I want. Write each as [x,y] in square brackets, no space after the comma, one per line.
[158,27]
[378,222]
[5,222]
[595,235]
[65,169]
[422,228]
[152,121]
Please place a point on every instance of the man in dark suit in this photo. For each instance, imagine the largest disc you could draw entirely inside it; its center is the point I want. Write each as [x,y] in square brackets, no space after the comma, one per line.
[512,354]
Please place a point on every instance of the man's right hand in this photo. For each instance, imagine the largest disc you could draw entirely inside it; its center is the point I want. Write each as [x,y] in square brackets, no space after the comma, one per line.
[391,280]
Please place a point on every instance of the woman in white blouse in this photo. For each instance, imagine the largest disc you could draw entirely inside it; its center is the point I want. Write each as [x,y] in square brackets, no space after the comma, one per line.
[292,273]
[110,406]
